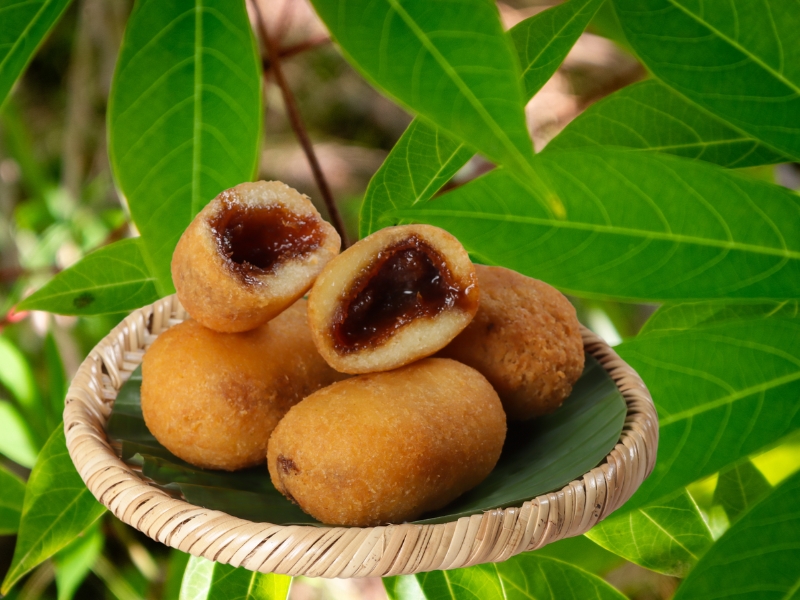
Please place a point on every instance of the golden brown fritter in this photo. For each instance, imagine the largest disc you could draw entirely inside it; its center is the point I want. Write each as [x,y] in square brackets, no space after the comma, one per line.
[387,447]
[525,340]
[396,296]
[249,254]
[214,398]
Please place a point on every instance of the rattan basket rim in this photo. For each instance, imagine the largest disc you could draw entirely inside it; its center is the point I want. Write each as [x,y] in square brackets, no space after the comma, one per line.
[314,551]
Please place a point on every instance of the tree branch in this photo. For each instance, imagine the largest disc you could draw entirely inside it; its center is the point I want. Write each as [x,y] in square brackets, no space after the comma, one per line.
[297,124]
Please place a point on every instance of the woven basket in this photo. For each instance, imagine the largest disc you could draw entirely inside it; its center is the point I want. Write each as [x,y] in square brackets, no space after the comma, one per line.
[493,536]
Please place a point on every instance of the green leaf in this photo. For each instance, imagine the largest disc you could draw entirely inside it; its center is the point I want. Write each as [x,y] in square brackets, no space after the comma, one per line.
[206,580]
[16,375]
[667,537]
[739,59]
[523,577]
[757,557]
[724,388]
[75,562]
[583,553]
[57,508]
[23,27]
[739,488]
[638,227]
[543,40]
[16,441]
[449,62]
[425,157]
[111,279]
[184,116]
[10,501]
[651,116]
[540,456]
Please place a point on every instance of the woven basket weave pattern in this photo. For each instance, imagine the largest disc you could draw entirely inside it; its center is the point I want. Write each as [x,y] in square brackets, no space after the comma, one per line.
[339,551]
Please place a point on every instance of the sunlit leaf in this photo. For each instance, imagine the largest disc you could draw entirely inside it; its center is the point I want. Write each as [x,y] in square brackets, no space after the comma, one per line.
[207,580]
[16,374]
[13,492]
[184,116]
[757,557]
[583,553]
[638,226]
[739,488]
[425,157]
[16,441]
[724,388]
[524,577]
[651,116]
[57,508]
[75,562]
[111,279]
[540,456]
[738,59]
[449,62]
[667,537]
[23,27]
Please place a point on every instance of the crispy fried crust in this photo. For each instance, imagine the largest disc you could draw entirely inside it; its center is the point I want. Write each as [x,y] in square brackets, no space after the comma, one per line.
[214,398]
[525,340]
[339,283]
[387,447]
[218,293]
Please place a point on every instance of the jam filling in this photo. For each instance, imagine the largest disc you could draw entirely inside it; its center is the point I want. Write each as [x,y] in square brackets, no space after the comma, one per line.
[255,240]
[406,281]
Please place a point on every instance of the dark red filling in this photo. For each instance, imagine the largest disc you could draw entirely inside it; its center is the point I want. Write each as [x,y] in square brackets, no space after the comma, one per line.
[255,240]
[406,281]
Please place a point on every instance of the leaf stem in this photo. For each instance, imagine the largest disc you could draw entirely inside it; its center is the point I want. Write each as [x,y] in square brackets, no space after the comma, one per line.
[296,122]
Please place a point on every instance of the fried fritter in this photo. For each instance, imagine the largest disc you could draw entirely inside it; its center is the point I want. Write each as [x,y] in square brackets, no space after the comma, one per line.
[249,254]
[396,296]
[214,398]
[387,447]
[525,339]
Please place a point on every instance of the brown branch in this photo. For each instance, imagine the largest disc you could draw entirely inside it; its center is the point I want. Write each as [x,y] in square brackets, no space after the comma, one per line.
[296,122]
[299,48]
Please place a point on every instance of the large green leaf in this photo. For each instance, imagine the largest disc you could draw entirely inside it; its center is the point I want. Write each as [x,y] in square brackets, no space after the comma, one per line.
[23,26]
[638,226]
[111,279]
[724,388]
[651,116]
[75,561]
[739,488]
[668,537]
[523,577]
[10,501]
[207,580]
[16,441]
[450,62]
[57,508]
[739,59]
[426,157]
[757,557]
[538,457]
[184,116]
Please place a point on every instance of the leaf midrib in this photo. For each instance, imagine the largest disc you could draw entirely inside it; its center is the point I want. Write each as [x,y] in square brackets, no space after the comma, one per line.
[609,229]
[729,399]
[24,34]
[498,131]
[779,76]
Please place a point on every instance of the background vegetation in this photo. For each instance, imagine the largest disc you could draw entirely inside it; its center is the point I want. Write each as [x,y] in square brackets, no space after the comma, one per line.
[666,134]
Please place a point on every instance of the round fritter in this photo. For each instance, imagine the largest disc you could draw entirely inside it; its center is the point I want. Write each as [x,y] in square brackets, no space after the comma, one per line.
[387,447]
[214,398]
[249,254]
[525,340]
[396,296]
